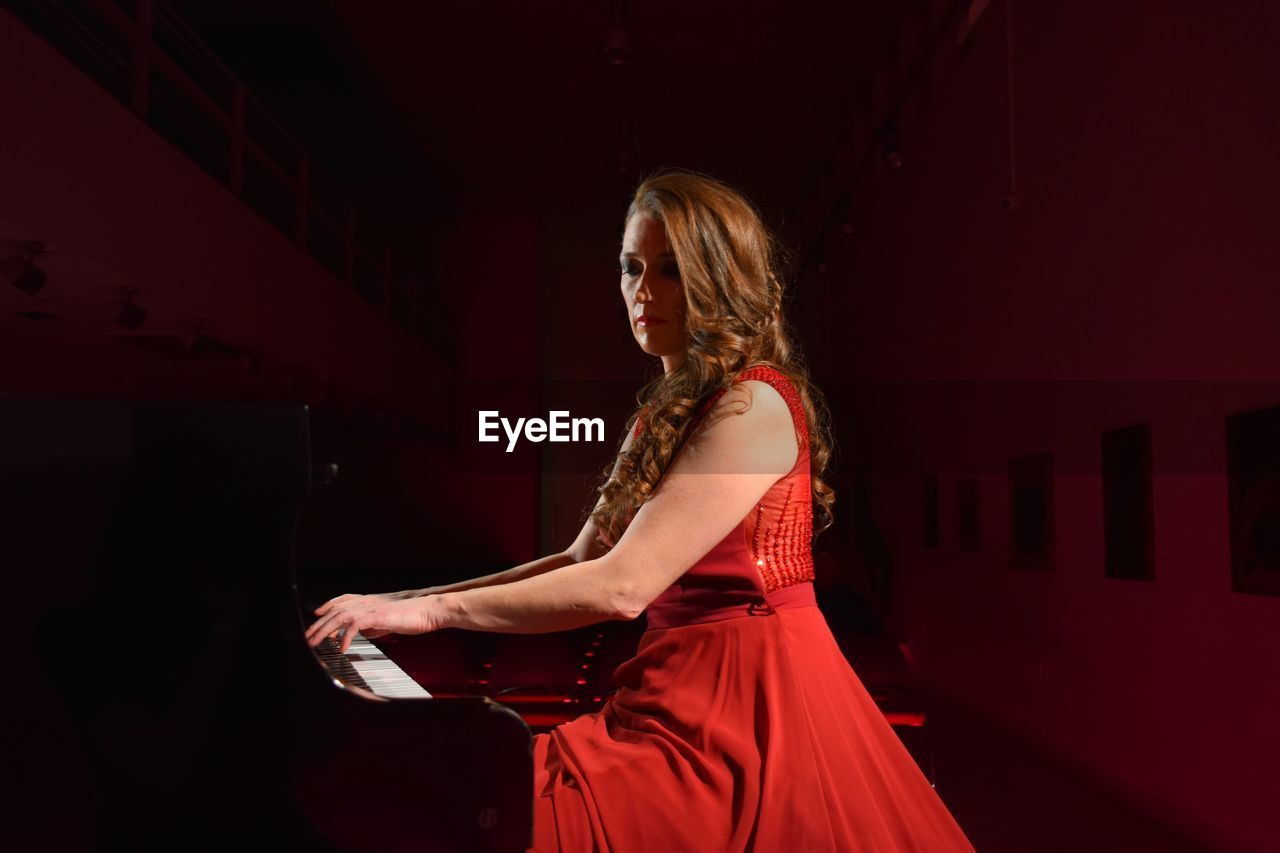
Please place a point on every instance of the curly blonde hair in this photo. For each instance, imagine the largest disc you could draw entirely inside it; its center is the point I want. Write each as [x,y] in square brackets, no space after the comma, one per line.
[730,268]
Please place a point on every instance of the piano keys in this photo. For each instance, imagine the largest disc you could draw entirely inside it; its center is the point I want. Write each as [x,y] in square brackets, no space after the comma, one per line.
[364,665]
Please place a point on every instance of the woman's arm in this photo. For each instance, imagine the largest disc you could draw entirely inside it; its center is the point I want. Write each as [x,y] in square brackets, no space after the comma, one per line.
[524,570]
[713,484]
[584,547]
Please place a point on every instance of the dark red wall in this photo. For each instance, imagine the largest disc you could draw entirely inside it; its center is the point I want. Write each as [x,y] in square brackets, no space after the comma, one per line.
[1134,282]
[120,207]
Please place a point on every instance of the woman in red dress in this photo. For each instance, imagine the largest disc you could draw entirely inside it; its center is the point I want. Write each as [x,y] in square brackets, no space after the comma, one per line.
[738,724]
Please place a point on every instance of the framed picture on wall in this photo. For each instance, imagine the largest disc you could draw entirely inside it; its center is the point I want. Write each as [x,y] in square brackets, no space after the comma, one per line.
[1253,500]
[968,514]
[1127,526]
[1031,512]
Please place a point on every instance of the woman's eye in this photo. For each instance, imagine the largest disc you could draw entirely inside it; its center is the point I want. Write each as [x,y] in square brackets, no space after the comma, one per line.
[634,269]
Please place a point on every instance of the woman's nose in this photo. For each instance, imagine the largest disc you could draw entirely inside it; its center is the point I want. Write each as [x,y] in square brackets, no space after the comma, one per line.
[643,292]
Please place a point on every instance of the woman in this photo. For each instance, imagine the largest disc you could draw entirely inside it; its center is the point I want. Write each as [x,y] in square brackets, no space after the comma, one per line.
[738,724]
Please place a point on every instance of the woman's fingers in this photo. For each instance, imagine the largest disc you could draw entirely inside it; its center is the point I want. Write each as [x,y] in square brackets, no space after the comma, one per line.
[325,614]
[368,615]
[324,627]
[348,634]
[328,605]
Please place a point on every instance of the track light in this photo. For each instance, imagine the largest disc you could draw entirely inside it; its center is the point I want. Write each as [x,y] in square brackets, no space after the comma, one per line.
[132,315]
[22,272]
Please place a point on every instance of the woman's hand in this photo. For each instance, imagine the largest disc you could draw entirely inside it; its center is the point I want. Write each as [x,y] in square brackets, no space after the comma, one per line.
[373,616]
[382,596]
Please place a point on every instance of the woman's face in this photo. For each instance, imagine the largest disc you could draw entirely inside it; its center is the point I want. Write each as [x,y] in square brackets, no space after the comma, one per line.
[652,290]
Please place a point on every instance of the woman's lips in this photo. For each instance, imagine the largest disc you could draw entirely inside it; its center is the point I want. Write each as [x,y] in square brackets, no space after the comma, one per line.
[649,320]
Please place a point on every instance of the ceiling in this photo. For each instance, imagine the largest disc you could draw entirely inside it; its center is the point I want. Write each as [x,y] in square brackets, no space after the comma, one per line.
[516,107]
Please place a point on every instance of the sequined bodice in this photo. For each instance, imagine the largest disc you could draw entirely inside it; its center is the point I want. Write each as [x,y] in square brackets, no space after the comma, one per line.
[766,561]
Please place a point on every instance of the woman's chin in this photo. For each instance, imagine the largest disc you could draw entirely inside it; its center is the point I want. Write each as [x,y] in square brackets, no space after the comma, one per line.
[657,348]
[648,348]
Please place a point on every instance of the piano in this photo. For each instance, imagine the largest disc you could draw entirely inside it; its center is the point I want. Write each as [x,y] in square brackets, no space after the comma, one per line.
[162,694]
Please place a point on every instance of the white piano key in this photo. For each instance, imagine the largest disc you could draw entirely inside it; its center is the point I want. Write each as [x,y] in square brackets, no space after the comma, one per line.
[380,672]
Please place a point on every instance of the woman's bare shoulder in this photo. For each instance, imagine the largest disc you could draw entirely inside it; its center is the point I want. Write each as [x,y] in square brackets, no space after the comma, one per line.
[751,421]
[754,399]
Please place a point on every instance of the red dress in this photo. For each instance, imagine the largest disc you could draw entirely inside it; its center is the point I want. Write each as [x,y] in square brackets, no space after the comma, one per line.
[738,725]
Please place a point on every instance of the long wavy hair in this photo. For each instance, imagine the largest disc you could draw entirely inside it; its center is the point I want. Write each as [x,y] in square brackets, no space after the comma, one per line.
[731,269]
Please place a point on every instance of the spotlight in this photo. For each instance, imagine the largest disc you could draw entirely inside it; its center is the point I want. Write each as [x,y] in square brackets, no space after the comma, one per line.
[23,273]
[132,315]
[822,267]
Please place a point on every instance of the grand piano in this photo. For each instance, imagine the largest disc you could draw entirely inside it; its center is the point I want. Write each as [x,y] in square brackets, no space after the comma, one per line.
[162,695]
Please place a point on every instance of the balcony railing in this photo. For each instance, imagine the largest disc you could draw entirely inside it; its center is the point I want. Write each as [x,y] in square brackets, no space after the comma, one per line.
[151,61]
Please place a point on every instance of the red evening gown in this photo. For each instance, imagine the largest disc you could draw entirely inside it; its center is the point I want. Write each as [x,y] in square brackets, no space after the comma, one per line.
[738,725]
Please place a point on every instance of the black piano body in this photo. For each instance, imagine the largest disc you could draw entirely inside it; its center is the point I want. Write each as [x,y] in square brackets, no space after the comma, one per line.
[164,696]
